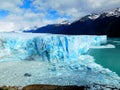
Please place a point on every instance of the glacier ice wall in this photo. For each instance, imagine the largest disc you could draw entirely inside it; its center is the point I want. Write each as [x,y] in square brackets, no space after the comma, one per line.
[47,47]
[79,70]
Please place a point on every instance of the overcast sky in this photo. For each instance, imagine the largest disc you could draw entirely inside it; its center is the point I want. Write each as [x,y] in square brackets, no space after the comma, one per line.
[25,14]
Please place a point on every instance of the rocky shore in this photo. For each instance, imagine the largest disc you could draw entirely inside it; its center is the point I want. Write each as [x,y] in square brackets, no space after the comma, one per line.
[43,87]
[56,87]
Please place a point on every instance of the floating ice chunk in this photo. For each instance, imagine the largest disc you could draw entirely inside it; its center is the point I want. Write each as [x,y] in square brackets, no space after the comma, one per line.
[103,46]
[81,72]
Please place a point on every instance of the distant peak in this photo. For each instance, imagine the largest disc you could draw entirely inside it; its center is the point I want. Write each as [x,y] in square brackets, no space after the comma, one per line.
[65,22]
[93,16]
[115,12]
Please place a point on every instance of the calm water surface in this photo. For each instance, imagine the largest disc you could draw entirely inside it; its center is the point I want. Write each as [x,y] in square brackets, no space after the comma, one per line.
[108,57]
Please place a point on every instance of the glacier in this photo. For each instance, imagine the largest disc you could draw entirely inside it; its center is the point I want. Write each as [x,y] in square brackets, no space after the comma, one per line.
[53,59]
[46,47]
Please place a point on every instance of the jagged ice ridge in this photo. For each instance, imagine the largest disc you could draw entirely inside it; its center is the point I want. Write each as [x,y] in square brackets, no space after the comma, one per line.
[45,47]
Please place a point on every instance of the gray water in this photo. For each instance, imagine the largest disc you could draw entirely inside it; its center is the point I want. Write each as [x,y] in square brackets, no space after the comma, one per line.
[108,57]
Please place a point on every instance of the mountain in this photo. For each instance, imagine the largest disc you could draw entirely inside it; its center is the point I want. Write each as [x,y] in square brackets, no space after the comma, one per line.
[106,23]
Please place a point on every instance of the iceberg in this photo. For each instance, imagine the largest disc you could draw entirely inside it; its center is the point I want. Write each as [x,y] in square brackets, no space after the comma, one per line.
[46,47]
[104,46]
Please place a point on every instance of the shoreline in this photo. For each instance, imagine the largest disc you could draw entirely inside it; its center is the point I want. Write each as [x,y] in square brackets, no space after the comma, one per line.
[57,87]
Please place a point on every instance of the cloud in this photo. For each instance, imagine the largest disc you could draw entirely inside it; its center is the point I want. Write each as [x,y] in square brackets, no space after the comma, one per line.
[25,14]
[10,5]
[6,26]
[75,8]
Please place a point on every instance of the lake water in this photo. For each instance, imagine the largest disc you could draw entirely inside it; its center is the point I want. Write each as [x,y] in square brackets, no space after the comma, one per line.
[108,57]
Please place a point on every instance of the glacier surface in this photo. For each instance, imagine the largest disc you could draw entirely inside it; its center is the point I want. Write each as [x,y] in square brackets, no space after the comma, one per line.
[52,59]
[46,47]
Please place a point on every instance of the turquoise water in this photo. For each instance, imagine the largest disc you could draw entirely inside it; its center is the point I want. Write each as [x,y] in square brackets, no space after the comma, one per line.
[108,57]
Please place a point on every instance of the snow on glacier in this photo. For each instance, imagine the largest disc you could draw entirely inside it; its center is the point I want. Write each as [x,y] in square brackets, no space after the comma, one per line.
[51,59]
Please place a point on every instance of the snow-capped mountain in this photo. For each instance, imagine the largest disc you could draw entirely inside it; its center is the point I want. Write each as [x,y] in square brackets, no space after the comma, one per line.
[65,22]
[115,12]
[93,16]
[106,23]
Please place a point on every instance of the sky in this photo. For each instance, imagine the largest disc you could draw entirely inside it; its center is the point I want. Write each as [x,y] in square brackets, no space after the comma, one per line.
[26,14]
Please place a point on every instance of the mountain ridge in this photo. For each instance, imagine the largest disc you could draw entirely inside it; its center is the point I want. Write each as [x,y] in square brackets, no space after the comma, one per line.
[106,23]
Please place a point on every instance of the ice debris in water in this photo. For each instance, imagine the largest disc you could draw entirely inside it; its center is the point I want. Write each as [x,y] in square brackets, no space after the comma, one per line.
[47,47]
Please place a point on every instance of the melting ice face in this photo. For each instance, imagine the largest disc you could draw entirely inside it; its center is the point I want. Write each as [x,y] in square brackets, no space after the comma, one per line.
[75,67]
[45,47]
